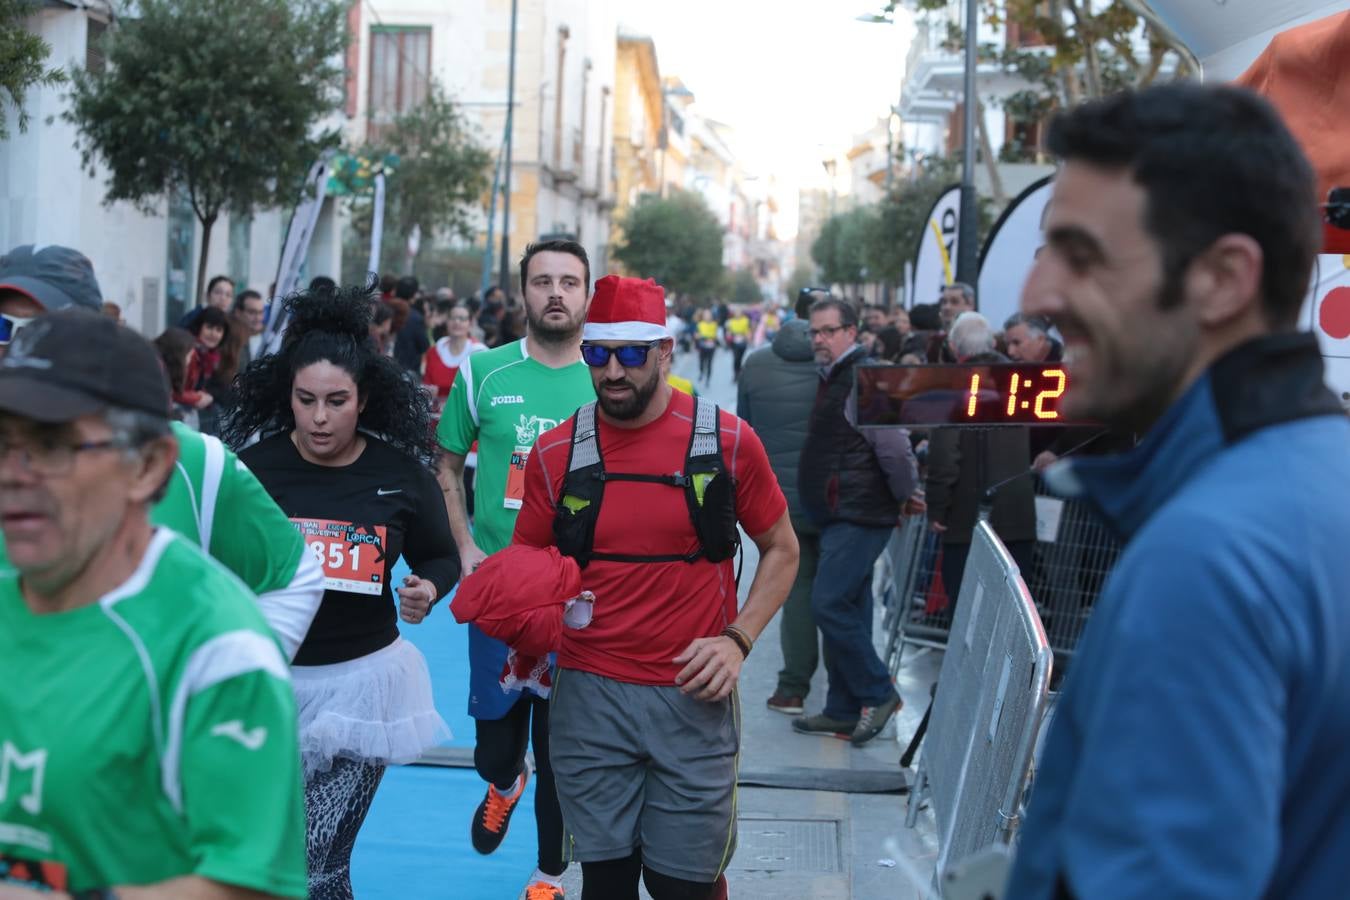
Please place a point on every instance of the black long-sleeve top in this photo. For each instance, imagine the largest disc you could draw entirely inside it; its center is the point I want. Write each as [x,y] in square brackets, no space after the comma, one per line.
[360,518]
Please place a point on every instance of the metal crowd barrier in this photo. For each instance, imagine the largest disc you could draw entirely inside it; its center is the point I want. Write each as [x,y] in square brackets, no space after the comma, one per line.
[991,695]
[1074,553]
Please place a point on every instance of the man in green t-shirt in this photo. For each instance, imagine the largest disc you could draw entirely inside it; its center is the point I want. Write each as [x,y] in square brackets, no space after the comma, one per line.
[212,499]
[148,742]
[505,399]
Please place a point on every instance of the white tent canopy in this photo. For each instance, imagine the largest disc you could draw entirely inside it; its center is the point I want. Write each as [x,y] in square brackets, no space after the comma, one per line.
[1227,35]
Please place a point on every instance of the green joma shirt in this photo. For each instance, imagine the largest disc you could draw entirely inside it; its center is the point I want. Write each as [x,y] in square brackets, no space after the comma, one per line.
[150,735]
[504,399]
[215,502]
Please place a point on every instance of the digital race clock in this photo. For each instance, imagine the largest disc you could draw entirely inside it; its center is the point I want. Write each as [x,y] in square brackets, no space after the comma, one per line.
[983,395]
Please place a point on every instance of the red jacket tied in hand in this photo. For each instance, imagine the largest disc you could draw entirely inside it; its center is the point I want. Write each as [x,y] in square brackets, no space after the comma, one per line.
[518,597]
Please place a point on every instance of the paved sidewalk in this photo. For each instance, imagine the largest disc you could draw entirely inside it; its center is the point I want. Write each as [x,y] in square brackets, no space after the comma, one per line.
[817,844]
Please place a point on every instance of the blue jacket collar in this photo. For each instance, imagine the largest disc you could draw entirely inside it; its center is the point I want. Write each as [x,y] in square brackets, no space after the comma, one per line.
[1267,381]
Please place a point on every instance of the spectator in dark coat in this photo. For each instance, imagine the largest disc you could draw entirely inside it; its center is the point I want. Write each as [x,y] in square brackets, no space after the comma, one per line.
[775,393]
[411,341]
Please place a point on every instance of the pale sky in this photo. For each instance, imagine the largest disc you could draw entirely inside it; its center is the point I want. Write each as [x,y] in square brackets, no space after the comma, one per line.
[795,78]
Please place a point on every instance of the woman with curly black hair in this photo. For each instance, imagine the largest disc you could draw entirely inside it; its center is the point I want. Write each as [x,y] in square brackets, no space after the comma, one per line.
[346,451]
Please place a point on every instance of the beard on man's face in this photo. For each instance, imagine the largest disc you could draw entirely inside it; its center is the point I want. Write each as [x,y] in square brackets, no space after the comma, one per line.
[632,402]
[549,327]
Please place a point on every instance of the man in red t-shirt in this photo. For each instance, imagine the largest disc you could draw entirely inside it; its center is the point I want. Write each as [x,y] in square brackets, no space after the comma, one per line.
[645,720]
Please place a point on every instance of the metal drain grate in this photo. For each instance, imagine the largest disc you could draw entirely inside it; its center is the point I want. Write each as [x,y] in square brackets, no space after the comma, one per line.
[787,845]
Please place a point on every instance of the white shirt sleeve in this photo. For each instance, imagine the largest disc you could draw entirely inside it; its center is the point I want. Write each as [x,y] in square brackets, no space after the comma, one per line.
[290,610]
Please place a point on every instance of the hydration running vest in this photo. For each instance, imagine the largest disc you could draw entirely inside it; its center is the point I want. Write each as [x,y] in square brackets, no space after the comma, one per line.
[709,491]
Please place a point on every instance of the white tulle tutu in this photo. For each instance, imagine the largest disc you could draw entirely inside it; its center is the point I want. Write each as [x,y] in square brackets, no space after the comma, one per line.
[377,708]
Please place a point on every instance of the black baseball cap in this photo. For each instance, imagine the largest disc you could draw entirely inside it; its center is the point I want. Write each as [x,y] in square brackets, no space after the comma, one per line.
[55,276]
[73,363]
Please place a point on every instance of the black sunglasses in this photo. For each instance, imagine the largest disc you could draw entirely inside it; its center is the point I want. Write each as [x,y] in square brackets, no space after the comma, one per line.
[630,356]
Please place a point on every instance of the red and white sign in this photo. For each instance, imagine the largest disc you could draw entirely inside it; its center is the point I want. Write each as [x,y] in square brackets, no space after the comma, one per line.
[352,556]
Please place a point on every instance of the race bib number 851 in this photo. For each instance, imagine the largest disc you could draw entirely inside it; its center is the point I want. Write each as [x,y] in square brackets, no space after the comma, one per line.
[352,556]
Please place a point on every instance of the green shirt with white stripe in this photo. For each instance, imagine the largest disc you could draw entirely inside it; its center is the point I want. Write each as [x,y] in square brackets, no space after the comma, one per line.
[214,501]
[150,735]
[504,399]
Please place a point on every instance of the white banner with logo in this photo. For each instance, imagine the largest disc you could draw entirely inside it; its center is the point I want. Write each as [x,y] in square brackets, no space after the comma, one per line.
[935,257]
[298,236]
[1010,251]
[376,225]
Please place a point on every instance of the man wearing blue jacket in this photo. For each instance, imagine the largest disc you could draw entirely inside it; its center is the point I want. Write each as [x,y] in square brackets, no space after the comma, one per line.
[1199,748]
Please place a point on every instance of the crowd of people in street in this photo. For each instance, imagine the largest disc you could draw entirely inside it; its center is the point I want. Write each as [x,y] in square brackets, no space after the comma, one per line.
[200,539]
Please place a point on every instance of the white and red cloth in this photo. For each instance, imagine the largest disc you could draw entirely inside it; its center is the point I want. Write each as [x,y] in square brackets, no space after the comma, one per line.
[523,596]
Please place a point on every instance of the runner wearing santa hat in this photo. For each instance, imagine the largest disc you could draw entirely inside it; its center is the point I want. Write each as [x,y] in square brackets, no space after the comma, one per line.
[645,726]
[504,399]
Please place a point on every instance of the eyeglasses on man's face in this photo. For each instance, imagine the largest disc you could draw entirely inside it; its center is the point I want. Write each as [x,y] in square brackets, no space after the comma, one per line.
[825,331]
[49,453]
[630,356]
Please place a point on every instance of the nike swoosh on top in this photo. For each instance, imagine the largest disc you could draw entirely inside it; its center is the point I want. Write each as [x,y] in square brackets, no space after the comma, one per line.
[383,493]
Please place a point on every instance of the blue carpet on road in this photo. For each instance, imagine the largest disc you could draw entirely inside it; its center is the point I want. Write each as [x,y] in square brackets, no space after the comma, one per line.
[415,842]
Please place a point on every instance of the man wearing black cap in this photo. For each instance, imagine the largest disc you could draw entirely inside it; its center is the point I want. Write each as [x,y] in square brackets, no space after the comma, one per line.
[211,498]
[182,776]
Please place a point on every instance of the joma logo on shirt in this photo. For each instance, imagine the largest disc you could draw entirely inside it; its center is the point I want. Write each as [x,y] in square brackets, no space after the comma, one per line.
[507,398]
[35,762]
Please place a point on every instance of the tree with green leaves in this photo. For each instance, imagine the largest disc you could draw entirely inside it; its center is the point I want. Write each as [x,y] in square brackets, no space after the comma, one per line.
[677,240]
[839,251]
[219,99]
[438,171]
[1080,50]
[803,276]
[901,217]
[742,288]
[22,59]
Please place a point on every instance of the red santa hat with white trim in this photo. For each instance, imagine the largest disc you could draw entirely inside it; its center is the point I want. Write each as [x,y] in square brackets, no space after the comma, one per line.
[626,309]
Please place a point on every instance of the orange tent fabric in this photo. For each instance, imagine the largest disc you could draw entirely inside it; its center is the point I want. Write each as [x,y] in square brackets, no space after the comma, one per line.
[1305,72]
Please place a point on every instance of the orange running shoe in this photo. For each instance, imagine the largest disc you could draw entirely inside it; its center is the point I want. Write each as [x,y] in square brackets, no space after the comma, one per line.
[542,890]
[494,814]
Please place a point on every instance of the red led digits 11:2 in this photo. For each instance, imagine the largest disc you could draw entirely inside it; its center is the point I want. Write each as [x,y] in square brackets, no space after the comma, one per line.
[1056,378]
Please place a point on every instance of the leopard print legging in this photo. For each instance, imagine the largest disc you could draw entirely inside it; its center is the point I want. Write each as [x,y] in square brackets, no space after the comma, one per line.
[336,803]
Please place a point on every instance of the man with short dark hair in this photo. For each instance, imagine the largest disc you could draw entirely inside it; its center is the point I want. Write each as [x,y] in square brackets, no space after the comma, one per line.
[956,298]
[1209,692]
[852,485]
[148,723]
[249,314]
[504,399]
[874,318]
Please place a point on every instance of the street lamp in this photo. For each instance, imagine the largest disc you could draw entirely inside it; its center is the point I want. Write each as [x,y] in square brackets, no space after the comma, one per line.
[967,257]
[506,174]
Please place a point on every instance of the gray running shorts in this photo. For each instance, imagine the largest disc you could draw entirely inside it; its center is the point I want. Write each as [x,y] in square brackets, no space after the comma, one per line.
[640,766]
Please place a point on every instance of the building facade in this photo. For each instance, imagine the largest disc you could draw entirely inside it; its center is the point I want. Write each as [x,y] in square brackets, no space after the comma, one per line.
[561,181]
[145,263]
